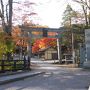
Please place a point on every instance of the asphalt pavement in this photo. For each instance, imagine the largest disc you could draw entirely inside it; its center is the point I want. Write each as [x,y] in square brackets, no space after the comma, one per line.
[47,77]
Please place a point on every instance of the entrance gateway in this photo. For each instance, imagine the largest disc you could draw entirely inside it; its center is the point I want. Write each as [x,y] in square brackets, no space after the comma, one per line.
[45,31]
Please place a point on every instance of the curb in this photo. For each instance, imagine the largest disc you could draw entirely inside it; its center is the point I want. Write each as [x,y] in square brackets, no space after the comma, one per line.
[20,78]
[67,65]
[13,73]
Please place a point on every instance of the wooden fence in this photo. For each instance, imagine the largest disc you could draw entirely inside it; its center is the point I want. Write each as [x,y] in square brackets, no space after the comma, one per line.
[14,65]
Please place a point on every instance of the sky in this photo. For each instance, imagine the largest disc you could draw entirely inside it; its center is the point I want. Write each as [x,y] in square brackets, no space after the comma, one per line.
[50,12]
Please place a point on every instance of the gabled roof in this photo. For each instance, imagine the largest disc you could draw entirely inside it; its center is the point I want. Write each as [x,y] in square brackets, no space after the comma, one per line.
[44,49]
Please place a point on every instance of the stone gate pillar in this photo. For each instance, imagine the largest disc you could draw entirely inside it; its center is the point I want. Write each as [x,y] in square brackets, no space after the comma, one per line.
[87,45]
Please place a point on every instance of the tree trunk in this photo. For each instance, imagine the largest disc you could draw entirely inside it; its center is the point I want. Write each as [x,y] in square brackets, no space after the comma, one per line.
[89,18]
[85,14]
[89,14]
[10,17]
[7,27]
[2,15]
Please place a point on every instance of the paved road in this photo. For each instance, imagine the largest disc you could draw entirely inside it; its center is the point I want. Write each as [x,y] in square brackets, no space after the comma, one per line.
[55,78]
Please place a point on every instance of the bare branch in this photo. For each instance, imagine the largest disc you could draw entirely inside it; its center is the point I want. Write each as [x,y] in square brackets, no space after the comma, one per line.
[83,3]
[7,13]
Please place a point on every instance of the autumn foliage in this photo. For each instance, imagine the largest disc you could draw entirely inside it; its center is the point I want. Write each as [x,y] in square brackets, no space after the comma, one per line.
[18,37]
[39,44]
[43,43]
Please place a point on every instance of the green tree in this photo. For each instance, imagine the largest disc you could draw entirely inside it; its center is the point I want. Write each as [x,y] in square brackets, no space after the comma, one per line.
[6,44]
[69,13]
[74,30]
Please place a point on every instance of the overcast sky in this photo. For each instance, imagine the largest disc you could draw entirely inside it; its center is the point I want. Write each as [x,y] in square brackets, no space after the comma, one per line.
[50,12]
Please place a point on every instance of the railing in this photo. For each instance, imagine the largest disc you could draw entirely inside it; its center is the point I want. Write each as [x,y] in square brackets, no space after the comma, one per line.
[67,58]
[14,65]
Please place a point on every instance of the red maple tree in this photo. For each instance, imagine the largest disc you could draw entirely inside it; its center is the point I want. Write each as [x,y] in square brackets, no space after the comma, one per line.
[43,43]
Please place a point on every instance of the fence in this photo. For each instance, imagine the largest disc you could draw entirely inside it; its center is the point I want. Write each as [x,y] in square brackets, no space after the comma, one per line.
[67,58]
[14,65]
